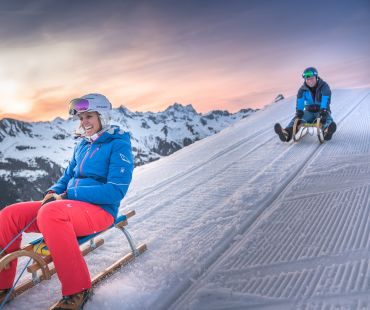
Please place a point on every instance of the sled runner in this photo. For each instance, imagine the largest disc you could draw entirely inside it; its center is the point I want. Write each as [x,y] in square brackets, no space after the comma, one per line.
[39,253]
[301,129]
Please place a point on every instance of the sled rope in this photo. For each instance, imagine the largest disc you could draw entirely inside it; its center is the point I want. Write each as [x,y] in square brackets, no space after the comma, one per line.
[25,267]
[17,236]
[19,277]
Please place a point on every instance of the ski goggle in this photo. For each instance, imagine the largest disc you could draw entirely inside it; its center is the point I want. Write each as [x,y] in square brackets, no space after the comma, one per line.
[308,74]
[78,105]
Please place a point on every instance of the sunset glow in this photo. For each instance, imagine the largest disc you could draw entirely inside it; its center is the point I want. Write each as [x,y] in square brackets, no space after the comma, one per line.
[214,55]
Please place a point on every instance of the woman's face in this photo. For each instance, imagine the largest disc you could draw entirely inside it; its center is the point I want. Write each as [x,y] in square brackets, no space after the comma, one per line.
[90,122]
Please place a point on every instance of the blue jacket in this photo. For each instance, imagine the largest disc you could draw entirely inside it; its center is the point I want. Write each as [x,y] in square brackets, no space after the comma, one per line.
[315,99]
[99,172]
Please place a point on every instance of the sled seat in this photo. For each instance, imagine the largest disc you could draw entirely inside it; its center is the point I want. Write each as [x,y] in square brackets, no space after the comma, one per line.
[120,222]
[308,125]
[302,129]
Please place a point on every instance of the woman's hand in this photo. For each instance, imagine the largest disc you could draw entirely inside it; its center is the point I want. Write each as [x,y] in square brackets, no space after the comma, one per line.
[52,196]
[48,197]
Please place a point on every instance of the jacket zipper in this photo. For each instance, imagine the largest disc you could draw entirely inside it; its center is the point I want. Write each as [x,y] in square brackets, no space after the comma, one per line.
[83,161]
[92,154]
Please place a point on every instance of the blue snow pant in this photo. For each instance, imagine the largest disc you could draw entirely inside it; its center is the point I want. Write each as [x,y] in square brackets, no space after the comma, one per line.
[309,117]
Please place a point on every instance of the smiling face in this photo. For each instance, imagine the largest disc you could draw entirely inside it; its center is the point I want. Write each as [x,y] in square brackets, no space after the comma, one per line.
[90,122]
[311,81]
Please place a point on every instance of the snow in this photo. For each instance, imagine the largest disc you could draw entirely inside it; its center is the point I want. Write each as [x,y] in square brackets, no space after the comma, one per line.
[52,141]
[31,175]
[240,220]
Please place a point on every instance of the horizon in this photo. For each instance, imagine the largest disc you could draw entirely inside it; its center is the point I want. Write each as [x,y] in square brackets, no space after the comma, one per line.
[18,117]
[145,56]
[13,116]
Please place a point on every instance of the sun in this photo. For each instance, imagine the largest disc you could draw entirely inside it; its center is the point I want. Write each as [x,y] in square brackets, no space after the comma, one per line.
[12,99]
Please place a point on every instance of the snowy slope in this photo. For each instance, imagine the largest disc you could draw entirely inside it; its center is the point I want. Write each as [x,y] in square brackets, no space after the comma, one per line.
[34,155]
[240,220]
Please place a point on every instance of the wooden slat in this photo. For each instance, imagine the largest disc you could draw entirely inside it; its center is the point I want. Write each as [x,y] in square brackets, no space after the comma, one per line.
[28,247]
[48,259]
[117,265]
[22,253]
[130,213]
[98,278]
[122,224]
[26,285]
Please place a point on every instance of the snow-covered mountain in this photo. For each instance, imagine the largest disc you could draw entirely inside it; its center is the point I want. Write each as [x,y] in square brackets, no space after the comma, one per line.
[33,155]
[240,220]
[279,97]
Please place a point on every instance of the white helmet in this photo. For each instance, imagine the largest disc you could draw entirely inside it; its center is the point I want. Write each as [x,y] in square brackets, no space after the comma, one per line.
[90,103]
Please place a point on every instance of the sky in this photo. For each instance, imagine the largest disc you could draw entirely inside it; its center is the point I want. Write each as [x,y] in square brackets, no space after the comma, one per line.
[147,55]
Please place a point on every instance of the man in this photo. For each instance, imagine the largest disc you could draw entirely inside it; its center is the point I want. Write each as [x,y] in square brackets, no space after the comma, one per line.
[313,101]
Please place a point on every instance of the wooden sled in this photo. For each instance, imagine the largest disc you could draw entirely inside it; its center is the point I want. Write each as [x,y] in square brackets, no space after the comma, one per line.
[41,270]
[302,129]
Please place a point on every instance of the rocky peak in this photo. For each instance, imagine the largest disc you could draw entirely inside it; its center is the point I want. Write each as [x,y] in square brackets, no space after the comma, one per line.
[12,127]
[278,98]
[178,107]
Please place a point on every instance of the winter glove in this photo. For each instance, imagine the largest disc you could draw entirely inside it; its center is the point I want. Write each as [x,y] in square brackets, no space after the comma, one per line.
[323,116]
[51,196]
[299,114]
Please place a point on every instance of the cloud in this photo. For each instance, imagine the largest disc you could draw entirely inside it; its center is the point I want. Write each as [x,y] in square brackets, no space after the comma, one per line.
[147,55]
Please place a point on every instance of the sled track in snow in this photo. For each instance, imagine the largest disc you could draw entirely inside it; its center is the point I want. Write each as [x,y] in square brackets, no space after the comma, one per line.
[233,147]
[163,186]
[176,298]
[193,169]
[175,301]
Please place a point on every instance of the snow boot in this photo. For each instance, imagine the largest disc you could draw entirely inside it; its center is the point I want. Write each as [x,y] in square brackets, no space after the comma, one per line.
[329,131]
[4,292]
[284,134]
[74,301]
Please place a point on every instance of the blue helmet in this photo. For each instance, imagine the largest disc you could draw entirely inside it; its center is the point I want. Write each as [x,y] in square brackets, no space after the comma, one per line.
[310,72]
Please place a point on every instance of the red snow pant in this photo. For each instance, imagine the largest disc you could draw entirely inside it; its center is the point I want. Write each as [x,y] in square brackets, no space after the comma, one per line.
[59,222]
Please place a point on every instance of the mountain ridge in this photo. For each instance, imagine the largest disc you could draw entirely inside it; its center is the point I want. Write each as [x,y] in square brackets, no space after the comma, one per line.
[26,146]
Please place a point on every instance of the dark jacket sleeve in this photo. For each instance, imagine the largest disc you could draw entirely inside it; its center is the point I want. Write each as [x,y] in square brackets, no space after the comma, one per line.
[325,96]
[300,100]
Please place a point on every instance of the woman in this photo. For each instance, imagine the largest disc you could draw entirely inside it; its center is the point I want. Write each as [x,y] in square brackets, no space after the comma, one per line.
[84,200]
